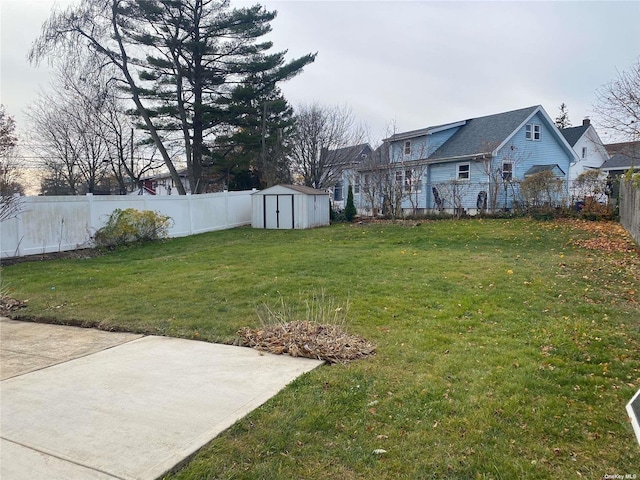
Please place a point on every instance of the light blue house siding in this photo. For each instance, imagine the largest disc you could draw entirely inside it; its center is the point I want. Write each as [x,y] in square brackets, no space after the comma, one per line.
[465,169]
[524,153]
[444,178]
[418,147]
[421,147]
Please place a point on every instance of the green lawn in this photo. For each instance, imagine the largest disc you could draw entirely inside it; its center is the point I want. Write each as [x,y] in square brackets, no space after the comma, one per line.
[504,350]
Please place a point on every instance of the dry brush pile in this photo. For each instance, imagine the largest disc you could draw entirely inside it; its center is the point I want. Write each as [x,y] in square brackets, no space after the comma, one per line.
[307,339]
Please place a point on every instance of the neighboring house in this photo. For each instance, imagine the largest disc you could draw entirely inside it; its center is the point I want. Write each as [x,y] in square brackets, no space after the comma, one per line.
[340,165]
[624,156]
[162,184]
[587,144]
[465,166]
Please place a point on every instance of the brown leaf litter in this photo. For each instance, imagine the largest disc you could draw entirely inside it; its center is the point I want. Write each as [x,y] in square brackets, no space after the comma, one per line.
[8,305]
[307,339]
[607,236]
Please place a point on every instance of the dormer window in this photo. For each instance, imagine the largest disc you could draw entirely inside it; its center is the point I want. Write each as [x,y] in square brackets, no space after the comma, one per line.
[407,147]
[532,131]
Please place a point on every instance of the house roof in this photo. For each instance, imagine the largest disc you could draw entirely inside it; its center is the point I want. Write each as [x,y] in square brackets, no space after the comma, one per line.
[424,131]
[347,155]
[631,149]
[573,134]
[158,176]
[619,161]
[542,168]
[482,135]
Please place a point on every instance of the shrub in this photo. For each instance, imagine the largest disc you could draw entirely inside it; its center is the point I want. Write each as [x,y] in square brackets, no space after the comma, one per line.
[131,225]
[350,208]
[542,189]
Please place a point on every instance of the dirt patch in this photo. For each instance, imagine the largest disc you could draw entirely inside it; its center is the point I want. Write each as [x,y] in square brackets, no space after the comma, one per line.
[77,254]
[306,339]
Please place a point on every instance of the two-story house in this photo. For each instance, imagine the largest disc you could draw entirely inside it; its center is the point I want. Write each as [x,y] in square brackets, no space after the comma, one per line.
[468,165]
[591,152]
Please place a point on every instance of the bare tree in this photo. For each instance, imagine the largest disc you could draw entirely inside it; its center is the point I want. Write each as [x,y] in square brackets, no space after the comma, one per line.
[10,187]
[318,130]
[501,179]
[453,194]
[618,104]
[369,177]
[67,122]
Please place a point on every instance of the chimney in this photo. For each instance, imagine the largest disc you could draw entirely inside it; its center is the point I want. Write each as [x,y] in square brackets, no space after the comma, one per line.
[586,122]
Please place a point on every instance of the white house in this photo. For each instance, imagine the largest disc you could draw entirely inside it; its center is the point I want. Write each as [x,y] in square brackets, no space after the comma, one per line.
[587,144]
[162,184]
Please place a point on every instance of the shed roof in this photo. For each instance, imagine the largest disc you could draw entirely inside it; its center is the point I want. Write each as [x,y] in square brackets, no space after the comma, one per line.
[347,155]
[543,168]
[296,188]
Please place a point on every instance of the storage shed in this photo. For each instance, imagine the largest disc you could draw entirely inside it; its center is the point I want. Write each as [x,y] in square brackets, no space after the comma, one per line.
[289,207]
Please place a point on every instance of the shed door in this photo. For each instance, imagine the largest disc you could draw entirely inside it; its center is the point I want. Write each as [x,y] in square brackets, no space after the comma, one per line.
[278,211]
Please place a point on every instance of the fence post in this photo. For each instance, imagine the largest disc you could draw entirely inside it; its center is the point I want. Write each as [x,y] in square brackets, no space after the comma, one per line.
[19,233]
[189,201]
[226,208]
[93,222]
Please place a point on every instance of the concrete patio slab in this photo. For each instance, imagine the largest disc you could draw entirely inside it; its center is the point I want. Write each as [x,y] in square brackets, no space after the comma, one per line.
[134,410]
[27,346]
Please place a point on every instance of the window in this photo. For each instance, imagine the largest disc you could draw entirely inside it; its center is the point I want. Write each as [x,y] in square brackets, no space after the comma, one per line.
[463,171]
[507,171]
[366,183]
[356,185]
[584,152]
[337,192]
[407,180]
[532,131]
[407,147]
[399,179]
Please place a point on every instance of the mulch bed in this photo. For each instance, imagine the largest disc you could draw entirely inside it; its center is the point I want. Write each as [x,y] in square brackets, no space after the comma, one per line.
[307,339]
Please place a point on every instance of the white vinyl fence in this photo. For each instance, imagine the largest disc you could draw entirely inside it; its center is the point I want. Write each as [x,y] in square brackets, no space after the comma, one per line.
[56,224]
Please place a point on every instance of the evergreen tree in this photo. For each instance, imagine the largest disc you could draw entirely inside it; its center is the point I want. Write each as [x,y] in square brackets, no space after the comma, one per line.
[178,59]
[350,208]
[256,147]
[562,120]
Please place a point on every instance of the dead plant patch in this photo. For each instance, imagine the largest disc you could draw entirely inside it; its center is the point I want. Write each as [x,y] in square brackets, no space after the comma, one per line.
[307,339]
[9,305]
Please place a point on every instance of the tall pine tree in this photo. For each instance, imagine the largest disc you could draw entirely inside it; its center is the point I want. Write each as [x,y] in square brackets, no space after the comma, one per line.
[255,149]
[178,59]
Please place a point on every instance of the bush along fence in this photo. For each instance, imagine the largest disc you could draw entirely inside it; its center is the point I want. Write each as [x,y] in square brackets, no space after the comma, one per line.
[56,224]
[630,204]
[590,196]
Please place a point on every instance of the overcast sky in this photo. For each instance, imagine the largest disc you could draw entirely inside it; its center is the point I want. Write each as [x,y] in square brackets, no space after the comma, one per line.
[413,63]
